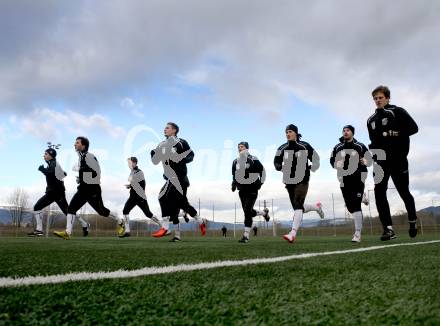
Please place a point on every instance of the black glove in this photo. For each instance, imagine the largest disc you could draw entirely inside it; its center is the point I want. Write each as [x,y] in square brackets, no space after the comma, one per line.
[41,168]
[278,166]
[233,186]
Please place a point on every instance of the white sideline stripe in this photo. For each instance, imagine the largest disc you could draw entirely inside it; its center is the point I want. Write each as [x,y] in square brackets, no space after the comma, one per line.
[87,276]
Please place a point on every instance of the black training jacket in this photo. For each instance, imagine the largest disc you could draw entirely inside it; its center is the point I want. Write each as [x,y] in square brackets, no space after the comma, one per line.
[252,165]
[390,128]
[297,148]
[344,150]
[136,176]
[88,163]
[179,167]
[53,183]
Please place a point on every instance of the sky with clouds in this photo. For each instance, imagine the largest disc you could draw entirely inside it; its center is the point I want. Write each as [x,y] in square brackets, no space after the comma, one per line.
[225,71]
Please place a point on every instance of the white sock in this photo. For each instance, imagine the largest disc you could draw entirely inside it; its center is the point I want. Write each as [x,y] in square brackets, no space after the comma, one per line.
[156,220]
[389,227]
[39,221]
[357,216]
[83,222]
[177,230]
[297,220]
[166,222]
[127,223]
[260,213]
[310,208]
[246,232]
[69,225]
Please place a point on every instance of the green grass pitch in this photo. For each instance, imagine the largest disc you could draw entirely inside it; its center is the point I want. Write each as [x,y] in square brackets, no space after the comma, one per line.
[393,286]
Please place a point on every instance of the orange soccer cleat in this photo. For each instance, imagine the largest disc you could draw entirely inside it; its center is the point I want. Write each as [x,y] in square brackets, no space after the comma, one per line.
[161,233]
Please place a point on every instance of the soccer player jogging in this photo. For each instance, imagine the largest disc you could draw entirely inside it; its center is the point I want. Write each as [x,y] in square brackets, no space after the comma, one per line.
[292,158]
[175,154]
[351,159]
[389,129]
[137,196]
[89,189]
[248,176]
[55,191]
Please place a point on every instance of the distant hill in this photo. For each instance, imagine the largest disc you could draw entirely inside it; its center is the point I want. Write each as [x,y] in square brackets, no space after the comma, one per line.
[431,210]
[5,218]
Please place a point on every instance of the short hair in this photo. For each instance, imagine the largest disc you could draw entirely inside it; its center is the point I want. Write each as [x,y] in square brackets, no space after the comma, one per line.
[84,141]
[175,126]
[133,159]
[382,89]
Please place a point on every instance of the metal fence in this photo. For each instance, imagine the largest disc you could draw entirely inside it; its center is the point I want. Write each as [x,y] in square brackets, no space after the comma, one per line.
[337,221]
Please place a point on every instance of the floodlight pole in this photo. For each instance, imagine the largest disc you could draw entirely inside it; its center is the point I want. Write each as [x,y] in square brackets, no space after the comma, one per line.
[434,220]
[334,216]
[235,216]
[369,209]
[274,231]
[47,222]
[195,228]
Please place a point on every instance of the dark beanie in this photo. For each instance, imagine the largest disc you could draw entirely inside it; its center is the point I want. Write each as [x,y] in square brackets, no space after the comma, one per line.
[51,152]
[294,129]
[244,143]
[349,127]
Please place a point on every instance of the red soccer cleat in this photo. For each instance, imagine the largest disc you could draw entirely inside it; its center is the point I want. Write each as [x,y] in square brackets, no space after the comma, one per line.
[203,228]
[161,233]
[290,238]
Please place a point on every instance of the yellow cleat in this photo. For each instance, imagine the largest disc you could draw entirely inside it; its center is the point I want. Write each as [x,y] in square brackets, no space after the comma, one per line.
[121,230]
[62,234]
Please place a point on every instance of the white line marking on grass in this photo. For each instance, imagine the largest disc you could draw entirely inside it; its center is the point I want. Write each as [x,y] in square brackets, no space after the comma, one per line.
[89,276]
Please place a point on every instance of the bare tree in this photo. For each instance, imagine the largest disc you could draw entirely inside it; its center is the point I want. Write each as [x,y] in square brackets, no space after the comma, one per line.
[18,202]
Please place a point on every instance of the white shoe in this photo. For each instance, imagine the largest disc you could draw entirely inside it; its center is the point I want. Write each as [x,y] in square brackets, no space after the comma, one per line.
[356,238]
[320,211]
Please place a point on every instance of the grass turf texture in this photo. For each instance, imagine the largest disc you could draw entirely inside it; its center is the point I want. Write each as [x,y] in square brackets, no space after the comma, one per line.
[389,286]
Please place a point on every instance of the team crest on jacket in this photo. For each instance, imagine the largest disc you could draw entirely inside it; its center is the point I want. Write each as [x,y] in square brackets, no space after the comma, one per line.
[384,121]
